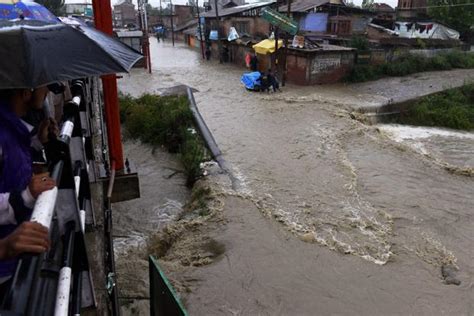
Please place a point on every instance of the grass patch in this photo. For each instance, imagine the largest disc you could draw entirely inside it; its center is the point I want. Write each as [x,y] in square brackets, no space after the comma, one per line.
[452,109]
[165,121]
[410,64]
[199,201]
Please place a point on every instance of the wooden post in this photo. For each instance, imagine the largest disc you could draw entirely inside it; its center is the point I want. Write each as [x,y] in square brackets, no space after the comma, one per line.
[285,66]
[275,57]
[201,43]
[219,44]
[172,23]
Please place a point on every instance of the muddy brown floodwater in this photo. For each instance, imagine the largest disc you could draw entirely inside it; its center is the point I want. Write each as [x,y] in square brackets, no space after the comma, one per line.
[331,216]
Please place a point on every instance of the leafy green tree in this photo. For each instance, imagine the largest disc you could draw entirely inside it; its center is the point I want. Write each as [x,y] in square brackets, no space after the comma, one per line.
[55,6]
[368,4]
[459,17]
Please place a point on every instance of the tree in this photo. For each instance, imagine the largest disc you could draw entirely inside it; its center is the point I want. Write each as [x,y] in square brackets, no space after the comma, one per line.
[459,17]
[55,6]
[368,4]
[152,11]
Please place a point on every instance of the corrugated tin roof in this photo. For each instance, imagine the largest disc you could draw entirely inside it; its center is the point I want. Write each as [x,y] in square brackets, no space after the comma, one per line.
[303,5]
[190,31]
[237,9]
[186,25]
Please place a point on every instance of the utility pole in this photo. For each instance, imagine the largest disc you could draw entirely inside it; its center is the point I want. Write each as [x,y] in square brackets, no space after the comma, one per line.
[161,15]
[146,38]
[219,43]
[285,69]
[172,23]
[200,30]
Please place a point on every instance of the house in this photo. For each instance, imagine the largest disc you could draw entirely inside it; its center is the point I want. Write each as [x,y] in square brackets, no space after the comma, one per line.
[385,15]
[313,64]
[182,13]
[77,8]
[410,10]
[329,17]
[245,18]
[124,14]
[187,32]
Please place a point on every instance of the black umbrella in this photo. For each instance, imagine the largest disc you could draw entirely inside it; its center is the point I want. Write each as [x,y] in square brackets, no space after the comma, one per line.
[122,53]
[35,53]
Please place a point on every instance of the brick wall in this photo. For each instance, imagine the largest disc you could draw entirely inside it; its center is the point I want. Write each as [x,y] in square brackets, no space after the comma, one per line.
[297,67]
[375,34]
[319,67]
[330,67]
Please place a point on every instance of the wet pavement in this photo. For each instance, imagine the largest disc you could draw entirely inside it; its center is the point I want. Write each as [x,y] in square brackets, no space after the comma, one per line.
[332,216]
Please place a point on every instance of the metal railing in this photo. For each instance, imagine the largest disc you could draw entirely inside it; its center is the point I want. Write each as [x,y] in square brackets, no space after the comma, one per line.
[163,299]
[53,282]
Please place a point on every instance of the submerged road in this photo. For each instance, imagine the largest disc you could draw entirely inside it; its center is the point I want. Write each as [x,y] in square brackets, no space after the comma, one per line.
[332,216]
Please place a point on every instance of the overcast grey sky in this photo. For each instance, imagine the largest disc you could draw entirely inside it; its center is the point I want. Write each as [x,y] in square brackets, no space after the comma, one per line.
[156,3]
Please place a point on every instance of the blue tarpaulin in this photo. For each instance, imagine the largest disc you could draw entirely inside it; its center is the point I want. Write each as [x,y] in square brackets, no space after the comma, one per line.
[314,22]
[251,79]
[213,35]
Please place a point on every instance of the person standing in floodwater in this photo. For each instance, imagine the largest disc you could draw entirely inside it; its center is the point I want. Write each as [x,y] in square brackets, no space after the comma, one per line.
[208,53]
[254,62]
[273,81]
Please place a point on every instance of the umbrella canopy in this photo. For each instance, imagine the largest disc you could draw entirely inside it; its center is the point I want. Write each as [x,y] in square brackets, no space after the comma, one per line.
[266,46]
[35,53]
[123,54]
[29,10]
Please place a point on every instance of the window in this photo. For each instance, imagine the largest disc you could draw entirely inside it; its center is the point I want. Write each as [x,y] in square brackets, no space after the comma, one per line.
[341,27]
[242,27]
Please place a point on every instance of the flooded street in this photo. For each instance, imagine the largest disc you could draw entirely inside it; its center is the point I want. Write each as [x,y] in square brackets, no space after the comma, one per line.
[331,216]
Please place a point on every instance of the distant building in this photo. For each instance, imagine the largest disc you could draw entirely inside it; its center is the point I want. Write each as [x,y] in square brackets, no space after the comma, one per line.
[329,17]
[124,14]
[412,9]
[386,15]
[77,8]
[182,13]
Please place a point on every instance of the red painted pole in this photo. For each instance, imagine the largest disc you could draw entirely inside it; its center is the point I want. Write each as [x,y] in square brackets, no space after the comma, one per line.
[103,22]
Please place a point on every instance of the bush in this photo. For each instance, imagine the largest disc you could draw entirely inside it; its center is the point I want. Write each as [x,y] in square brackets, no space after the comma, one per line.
[165,121]
[360,43]
[409,64]
[453,109]
[440,62]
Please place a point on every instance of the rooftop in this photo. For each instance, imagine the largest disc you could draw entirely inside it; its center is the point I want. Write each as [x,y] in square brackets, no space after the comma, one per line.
[322,47]
[383,7]
[186,25]
[237,9]
[303,6]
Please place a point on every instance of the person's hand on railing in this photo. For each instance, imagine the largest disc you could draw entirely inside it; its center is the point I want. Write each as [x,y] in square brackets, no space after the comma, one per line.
[47,128]
[40,183]
[29,237]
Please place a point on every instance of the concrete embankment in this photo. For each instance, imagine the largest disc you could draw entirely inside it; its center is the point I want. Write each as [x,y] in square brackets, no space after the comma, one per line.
[391,95]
